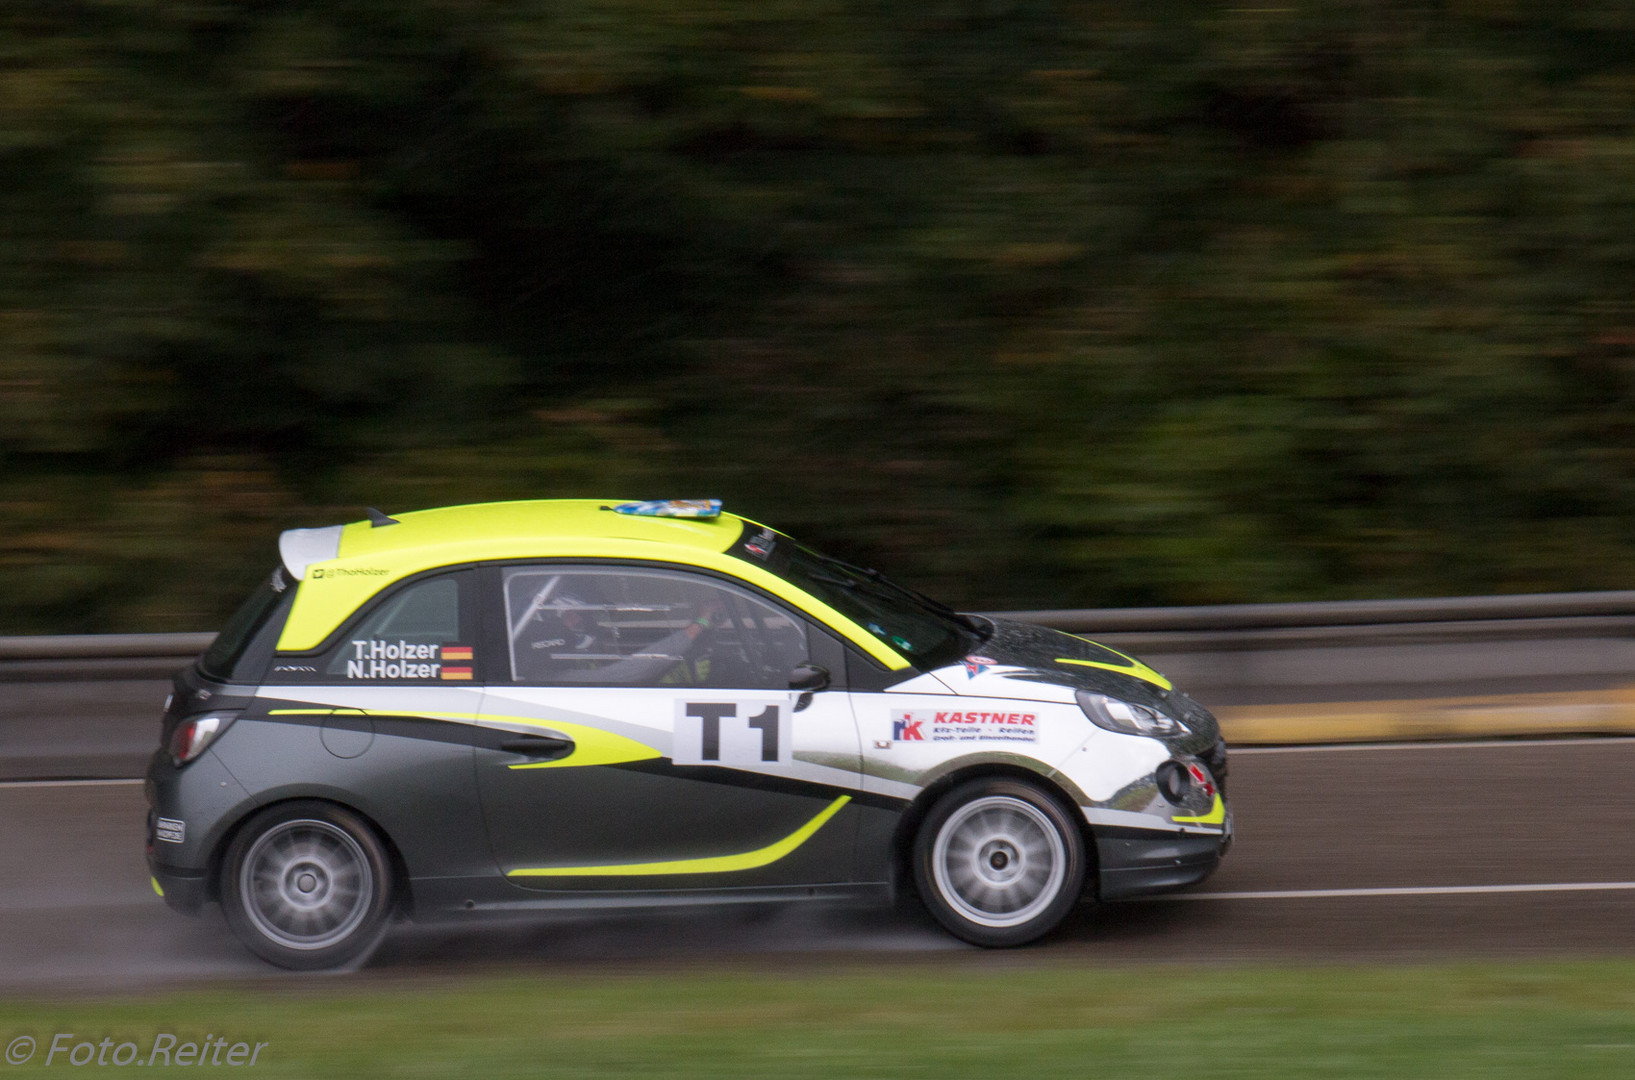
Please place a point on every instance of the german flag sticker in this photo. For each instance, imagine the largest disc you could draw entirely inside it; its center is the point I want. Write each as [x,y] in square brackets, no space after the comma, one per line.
[456,673]
[456,652]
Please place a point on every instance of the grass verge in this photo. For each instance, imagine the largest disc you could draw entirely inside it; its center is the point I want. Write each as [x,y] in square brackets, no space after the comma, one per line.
[989,1020]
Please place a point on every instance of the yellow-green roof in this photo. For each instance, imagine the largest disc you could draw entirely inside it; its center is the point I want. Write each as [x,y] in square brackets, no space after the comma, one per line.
[370,558]
[519,526]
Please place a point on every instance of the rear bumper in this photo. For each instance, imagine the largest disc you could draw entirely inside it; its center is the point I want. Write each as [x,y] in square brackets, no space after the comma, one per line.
[183,890]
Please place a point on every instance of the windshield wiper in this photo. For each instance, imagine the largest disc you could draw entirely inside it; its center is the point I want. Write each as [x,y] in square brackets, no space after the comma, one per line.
[934,606]
[927,602]
[844,583]
[875,577]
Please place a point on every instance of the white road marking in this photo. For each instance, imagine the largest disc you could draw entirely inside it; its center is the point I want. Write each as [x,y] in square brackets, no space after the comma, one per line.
[63,783]
[1468,744]
[1412,890]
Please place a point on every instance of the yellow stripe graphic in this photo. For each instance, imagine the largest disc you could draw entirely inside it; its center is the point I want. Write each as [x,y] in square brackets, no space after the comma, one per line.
[1136,668]
[591,745]
[715,864]
[1216,816]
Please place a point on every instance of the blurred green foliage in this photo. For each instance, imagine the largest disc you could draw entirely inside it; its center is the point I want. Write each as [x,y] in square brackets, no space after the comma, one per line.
[1033,303]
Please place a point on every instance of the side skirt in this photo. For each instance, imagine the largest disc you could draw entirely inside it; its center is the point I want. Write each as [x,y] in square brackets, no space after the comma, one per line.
[459,899]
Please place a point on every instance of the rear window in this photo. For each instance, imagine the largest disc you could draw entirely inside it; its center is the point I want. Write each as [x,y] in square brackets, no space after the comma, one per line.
[224,653]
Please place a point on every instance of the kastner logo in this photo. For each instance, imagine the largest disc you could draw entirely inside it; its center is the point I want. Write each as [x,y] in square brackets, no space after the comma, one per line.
[924,725]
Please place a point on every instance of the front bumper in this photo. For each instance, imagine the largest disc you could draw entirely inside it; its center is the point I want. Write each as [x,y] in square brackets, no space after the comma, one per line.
[1140,862]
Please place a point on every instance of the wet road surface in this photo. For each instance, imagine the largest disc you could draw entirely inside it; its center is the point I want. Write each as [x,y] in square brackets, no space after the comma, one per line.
[1379,832]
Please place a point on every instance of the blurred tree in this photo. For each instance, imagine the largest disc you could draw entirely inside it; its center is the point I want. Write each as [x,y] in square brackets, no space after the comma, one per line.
[1036,303]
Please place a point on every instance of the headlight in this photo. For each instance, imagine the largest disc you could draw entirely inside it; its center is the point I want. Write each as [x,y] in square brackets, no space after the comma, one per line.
[195,733]
[1128,719]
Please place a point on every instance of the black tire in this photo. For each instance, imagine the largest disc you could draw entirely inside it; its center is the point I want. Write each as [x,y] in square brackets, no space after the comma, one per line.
[307,885]
[999,862]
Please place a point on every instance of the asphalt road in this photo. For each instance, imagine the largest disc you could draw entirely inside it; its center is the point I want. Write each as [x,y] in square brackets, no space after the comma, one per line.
[1415,851]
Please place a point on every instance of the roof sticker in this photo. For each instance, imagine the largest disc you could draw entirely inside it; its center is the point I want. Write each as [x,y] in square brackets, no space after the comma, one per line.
[673,508]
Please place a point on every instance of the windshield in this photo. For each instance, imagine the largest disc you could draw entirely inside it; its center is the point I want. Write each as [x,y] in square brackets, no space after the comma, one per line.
[926,633]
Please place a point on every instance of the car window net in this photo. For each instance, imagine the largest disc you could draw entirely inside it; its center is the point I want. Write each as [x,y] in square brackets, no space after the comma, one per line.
[640,628]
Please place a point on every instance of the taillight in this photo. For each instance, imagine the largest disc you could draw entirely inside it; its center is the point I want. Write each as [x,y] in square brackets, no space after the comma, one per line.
[192,735]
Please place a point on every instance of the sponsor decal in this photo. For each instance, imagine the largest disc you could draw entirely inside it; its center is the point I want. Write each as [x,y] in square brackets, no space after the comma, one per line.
[321,572]
[307,668]
[761,544]
[927,725]
[170,830]
[376,659]
[976,665]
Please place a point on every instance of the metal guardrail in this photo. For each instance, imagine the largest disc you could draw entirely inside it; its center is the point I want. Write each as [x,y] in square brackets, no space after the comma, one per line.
[90,657]
[88,705]
[100,646]
[1339,624]
[1337,613]
[1230,627]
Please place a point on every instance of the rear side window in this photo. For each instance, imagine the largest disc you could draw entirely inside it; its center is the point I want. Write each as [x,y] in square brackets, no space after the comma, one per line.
[418,634]
[224,654]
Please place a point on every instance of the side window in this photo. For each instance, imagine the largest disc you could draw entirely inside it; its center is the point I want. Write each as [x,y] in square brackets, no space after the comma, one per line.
[591,626]
[415,635]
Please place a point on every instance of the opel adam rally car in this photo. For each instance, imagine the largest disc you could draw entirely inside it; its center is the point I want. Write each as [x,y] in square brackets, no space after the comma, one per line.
[572,704]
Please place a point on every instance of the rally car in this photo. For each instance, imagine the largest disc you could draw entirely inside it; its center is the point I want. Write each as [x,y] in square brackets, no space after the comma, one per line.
[581,703]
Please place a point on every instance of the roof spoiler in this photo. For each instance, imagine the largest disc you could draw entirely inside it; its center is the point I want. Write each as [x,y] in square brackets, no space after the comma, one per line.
[300,548]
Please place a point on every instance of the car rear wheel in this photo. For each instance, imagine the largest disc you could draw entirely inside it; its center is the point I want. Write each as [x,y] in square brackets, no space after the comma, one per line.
[307,885]
[999,862]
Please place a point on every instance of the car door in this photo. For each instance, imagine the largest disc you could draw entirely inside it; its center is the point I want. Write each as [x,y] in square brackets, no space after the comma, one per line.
[655,742]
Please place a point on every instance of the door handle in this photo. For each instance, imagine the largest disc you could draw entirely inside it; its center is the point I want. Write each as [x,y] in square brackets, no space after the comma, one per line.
[544,747]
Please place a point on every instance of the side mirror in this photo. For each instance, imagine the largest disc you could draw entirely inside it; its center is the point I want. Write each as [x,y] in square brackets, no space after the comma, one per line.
[808,679]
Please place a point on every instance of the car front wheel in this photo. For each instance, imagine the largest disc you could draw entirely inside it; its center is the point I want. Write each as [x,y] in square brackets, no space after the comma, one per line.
[307,885]
[999,862]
